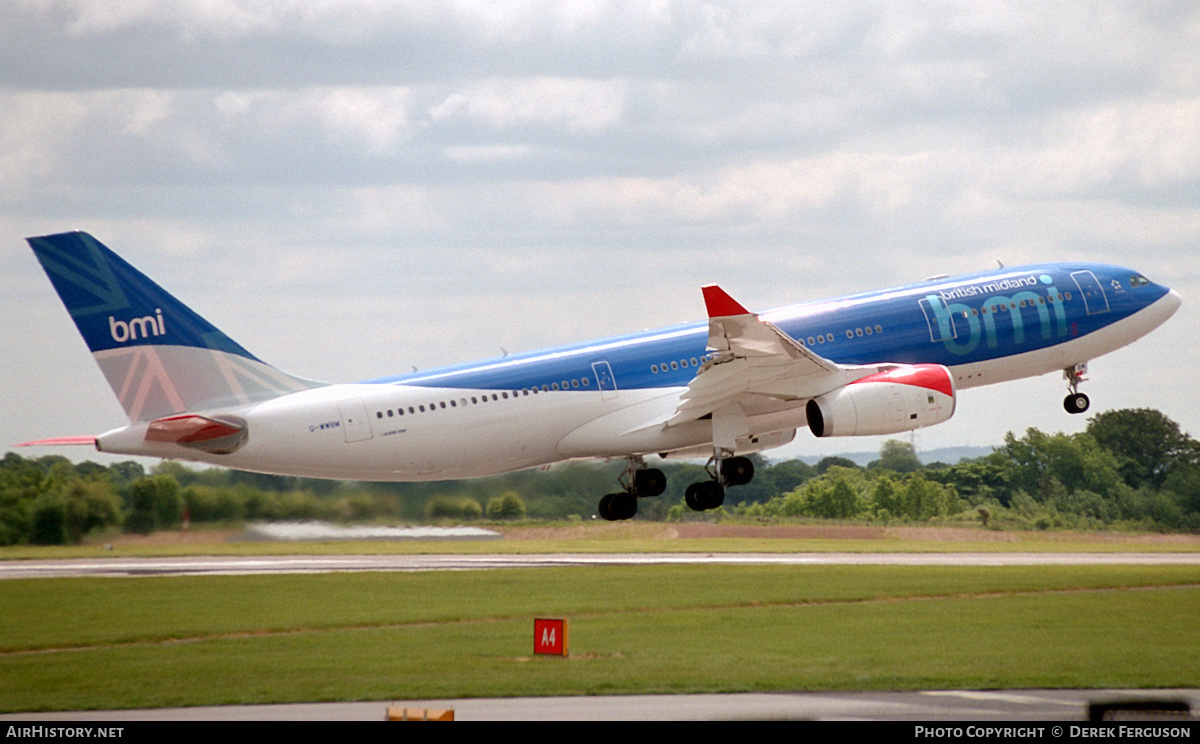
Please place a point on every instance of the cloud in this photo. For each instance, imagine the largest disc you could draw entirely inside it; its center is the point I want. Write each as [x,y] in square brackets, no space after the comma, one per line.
[438,173]
[577,105]
[353,21]
[45,135]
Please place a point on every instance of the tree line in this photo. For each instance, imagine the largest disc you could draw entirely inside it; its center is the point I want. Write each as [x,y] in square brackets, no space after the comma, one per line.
[1131,468]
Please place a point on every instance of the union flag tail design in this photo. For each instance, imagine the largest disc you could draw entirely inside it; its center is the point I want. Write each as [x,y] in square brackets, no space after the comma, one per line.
[159,356]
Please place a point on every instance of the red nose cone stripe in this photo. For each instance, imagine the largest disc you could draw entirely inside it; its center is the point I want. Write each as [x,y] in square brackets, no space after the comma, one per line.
[720,304]
[928,376]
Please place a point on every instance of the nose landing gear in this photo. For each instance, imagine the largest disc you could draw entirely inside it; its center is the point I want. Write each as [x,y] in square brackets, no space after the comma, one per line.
[1076,402]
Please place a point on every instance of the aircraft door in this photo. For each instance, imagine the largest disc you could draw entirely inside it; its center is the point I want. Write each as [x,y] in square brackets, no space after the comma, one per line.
[1094,298]
[355,422]
[939,319]
[605,380]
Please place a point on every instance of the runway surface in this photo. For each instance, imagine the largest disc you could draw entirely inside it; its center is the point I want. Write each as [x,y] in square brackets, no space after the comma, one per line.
[234,565]
[935,705]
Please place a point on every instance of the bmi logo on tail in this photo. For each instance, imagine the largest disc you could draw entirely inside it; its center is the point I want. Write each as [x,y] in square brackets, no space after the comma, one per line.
[128,331]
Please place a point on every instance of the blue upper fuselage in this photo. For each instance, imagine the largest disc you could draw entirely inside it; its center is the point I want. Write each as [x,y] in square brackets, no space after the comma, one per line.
[951,321]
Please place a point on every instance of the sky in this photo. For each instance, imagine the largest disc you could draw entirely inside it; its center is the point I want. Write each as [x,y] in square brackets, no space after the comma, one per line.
[351,188]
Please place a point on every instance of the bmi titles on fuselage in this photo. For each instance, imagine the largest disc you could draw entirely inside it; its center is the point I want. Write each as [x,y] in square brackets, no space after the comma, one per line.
[960,327]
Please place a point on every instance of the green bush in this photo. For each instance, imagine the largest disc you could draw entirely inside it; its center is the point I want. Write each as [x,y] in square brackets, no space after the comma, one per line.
[49,514]
[139,522]
[453,507]
[89,505]
[506,506]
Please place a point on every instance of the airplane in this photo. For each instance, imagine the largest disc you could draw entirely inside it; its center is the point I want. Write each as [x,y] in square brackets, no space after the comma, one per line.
[740,382]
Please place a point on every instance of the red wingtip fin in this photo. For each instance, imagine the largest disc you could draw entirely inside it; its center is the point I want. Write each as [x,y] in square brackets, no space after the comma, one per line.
[59,441]
[720,304]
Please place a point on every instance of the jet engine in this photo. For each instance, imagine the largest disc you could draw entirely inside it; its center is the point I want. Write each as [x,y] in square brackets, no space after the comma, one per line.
[901,399]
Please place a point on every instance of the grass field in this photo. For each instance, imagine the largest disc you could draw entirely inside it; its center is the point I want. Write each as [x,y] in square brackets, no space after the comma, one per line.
[149,642]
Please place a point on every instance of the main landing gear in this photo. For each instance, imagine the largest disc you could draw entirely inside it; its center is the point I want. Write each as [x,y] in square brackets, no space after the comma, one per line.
[725,471]
[638,481]
[1076,402]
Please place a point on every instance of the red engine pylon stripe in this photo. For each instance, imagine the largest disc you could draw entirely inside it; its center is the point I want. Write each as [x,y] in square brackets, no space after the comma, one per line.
[928,376]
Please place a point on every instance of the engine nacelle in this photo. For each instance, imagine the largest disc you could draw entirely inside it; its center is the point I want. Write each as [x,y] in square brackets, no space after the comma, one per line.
[901,399]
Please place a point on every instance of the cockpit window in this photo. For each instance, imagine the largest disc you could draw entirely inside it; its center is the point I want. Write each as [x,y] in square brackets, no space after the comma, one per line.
[1138,281]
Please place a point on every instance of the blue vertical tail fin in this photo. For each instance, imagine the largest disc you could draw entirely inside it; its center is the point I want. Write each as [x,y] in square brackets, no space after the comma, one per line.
[159,356]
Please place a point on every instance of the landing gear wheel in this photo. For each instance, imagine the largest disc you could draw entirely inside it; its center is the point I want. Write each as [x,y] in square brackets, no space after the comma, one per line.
[712,494]
[617,506]
[627,505]
[704,495]
[1076,403]
[737,471]
[649,482]
[606,508]
[640,480]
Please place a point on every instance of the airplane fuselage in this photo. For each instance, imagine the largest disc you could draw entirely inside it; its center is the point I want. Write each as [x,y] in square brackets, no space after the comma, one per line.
[611,397]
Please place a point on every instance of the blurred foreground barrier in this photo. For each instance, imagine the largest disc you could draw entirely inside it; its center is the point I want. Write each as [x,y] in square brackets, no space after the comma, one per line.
[1140,710]
[396,713]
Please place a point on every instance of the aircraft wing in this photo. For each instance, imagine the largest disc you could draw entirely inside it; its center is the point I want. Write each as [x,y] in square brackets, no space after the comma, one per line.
[754,358]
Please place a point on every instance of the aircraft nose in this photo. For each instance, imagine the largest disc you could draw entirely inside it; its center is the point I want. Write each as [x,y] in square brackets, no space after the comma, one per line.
[1172,300]
[1166,306]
